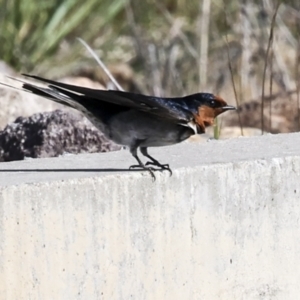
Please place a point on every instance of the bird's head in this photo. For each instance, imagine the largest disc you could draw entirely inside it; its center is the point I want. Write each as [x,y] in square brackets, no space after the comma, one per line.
[209,107]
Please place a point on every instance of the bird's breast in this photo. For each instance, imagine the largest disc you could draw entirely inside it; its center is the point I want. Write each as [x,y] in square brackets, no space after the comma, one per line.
[128,127]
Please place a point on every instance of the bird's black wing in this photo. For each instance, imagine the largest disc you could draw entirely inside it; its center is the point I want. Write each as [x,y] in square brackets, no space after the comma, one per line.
[168,108]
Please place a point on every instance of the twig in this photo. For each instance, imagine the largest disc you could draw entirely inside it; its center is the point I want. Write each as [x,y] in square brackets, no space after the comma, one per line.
[266,64]
[271,90]
[233,85]
[191,50]
[246,43]
[203,40]
[135,30]
[101,64]
[231,73]
[157,89]
[298,78]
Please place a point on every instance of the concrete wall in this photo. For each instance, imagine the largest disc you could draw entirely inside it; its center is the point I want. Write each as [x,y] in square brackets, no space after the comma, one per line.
[226,225]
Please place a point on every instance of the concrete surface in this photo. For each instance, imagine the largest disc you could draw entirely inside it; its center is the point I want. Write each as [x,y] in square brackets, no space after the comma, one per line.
[226,225]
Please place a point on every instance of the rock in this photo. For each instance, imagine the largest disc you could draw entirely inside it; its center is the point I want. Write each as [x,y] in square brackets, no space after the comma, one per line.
[51,134]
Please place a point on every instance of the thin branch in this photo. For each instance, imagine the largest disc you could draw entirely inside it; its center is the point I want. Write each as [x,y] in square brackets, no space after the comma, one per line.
[245,21]
[271,90]
[170,19]
[157,89]
[233,85]
[204,42]
[231,72]
[101,64]
[266,64]
[297,79]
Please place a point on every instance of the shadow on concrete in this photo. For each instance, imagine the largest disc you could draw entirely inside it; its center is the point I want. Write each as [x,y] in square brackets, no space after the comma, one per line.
[71,170]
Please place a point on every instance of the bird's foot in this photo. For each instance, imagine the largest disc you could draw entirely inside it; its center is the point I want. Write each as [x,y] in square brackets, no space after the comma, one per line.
[161,166]
[143,167]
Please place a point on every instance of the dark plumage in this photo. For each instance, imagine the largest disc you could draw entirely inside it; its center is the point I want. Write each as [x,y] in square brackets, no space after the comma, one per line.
[136,120]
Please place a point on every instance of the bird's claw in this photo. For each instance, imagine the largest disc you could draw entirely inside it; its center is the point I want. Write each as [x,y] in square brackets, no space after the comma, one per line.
[149,169]
[161,166]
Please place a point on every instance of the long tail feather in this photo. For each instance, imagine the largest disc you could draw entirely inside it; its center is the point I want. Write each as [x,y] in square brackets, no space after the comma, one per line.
[116,97]
[70,99]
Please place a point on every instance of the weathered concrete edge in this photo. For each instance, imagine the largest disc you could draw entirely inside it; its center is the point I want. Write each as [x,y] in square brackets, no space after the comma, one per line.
[136,178]
[220,231]
[181,156]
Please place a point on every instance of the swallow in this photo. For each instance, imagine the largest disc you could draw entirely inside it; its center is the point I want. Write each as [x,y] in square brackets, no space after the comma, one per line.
[136,120]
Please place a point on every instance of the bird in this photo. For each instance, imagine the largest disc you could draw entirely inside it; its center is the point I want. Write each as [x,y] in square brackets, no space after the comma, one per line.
[135,120]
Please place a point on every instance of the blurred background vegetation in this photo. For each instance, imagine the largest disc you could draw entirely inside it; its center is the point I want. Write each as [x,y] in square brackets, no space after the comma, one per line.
[174,47]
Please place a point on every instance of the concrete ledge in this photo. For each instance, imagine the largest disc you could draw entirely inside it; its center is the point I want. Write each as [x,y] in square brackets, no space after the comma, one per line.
[224,226]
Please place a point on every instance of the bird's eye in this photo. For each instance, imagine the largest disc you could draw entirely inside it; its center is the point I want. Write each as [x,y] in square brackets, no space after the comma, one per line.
[213,103]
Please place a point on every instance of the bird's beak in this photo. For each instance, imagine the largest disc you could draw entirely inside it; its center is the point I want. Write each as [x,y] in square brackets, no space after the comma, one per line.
[228,107]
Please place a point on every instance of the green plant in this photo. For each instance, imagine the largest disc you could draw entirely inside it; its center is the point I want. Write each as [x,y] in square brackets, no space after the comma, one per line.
[31,31]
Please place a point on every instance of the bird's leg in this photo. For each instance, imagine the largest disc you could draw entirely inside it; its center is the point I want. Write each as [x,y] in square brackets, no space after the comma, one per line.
[154,162]
[133,151]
